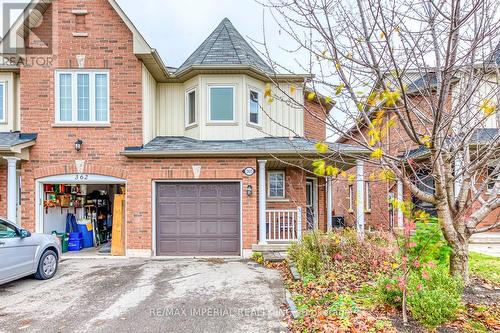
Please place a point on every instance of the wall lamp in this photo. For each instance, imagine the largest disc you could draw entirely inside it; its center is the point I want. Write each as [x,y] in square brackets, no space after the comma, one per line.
[249,190]
[78,145]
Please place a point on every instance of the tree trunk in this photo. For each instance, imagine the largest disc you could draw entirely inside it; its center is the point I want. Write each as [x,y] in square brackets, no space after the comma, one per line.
[458,238]
[459,260]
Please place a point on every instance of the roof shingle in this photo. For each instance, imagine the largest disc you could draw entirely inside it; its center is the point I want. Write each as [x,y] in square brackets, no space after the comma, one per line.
[225,46]
[275,145]
[9,139]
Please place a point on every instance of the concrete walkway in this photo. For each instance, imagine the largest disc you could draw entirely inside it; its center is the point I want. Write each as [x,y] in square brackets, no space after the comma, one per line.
[136,295]
[488,249]
[486,238]
[486,243]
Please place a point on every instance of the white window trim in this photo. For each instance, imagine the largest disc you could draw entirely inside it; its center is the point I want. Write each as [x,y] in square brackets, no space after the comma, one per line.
[368,197]
[209,117]
[3,119]
[74,98]
[351,198]
[269,173]
[259,111]
[186,107]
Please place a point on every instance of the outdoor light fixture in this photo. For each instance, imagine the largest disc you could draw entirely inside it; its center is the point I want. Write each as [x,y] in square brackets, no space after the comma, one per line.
[78,144]
[249,190]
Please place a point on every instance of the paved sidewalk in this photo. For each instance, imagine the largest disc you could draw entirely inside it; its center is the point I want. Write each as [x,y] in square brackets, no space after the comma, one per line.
[488,249]
[136,295]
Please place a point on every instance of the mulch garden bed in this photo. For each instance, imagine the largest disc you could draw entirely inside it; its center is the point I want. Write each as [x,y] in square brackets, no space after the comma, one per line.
[481,311]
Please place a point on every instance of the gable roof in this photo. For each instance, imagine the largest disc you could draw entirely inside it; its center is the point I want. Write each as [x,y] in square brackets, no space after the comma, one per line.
[33,13]
[225,46]
[480,136]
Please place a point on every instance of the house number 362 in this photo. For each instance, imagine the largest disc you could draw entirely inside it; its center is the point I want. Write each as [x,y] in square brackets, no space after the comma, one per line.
[81,177]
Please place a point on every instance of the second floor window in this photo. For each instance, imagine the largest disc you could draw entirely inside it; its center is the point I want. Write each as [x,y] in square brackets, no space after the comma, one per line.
[221,104]
[190,107]
[254,107]
[82,97]
[2,102]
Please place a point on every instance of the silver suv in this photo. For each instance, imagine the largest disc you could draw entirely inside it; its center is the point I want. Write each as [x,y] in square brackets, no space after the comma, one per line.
[23,253]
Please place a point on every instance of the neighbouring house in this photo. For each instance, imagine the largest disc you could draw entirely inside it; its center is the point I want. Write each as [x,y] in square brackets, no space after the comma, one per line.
[378,212]
[206,165]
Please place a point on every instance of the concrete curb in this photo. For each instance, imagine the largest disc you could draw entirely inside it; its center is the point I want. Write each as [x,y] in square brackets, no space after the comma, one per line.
[295,273]
[485,241]
[291,305]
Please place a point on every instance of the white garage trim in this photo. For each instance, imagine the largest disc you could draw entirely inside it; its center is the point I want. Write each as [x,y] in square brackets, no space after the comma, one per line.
[77,179]
[153,208]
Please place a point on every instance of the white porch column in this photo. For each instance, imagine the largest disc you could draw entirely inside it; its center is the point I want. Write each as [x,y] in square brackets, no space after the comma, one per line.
[329,198]
[360,199]
[12,188]
[400,200]
[262,201]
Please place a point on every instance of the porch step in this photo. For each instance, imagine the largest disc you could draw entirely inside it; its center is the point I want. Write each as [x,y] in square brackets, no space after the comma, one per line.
[273,247]
[274,256]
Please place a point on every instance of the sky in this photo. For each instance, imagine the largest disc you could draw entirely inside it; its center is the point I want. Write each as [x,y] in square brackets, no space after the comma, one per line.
[176,28]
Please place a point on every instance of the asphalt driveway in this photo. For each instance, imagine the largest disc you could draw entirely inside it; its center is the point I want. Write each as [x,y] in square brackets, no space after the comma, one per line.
[135,295]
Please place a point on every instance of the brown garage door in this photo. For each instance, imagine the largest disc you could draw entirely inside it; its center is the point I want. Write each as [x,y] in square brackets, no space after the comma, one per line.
[198,219]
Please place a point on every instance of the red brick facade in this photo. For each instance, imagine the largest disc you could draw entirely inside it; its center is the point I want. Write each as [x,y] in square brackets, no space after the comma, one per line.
[396,143]
[109,47]
[315,121]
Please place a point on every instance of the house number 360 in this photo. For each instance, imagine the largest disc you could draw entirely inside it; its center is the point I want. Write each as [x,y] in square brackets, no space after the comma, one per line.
[81,177]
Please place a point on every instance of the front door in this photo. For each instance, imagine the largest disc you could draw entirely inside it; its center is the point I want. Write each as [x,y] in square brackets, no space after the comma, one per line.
[311,204]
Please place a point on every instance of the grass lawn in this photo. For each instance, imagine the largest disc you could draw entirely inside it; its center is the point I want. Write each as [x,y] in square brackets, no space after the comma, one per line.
[485,267]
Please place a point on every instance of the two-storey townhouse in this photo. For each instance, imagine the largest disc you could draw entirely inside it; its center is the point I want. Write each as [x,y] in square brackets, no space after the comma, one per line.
[378,212]
[208,164]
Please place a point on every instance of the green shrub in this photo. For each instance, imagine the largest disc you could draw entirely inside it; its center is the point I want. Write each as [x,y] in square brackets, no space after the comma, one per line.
[257,257]
[430,243]
[434,296]
[306,255]
[388,291]
[320,252]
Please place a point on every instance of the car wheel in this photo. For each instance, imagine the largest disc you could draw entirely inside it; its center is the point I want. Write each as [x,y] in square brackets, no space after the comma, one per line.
[47,267]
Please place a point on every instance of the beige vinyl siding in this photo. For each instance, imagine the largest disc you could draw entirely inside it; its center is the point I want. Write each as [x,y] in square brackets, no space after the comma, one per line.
[486,90]
[278,119]
[170,116]
[148,105]
[11,86]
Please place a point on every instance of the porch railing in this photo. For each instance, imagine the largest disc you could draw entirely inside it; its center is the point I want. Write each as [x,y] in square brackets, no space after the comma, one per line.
[284,224]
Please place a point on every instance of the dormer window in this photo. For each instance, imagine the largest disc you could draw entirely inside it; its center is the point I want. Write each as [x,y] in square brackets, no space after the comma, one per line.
[190,107]
[2,102]
[221,104]
[254,107]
